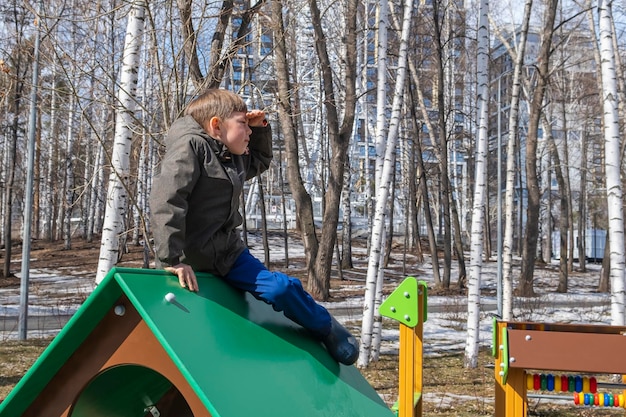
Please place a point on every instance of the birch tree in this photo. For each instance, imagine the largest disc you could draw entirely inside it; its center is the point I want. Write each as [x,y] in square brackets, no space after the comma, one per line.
[70,157]
[117,194]
[379,236]
[507,242]
[603,281]
[48,185]
[382,193]
[612,158]
[480,187]
[381,88]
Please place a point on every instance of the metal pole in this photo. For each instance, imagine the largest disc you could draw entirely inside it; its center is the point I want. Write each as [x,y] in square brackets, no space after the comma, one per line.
[28,203]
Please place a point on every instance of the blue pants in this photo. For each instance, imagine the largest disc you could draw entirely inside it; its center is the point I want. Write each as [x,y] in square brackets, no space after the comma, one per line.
[282,292]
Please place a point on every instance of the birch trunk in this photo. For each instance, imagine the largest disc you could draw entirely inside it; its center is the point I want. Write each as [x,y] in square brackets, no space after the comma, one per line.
[48,192]
[346,233]
[567,198]
[603,281]
[546,212]
[381,90]
[382,195]
[378,295]
[96,181]
[476,244]
[582,203]
[117,194]
[70,157]
[140,203]
[566,193]
[619,73]
[507,242]
[377,239]
[86,202]
[612,162]
[372,300]
[283,206]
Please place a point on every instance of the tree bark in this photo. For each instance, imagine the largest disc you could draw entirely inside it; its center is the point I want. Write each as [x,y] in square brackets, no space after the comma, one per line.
[18,62]
[442,148]
[612,162]
[512,146]
[346,231]
[421,174]
[304,204]
[480,189]
[339,137]
[70,157]
[531,235]
[117,196]
[218,59]
[563,218]
[373,284]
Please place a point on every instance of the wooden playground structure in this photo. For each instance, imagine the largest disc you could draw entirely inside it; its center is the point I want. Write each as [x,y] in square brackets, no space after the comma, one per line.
[521,348]
[405,305]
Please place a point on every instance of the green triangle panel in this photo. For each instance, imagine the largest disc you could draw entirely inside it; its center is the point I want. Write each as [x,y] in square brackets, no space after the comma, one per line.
[402,305]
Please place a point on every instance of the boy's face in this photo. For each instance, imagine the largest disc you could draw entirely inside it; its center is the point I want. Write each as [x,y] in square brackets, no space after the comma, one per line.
[235,133]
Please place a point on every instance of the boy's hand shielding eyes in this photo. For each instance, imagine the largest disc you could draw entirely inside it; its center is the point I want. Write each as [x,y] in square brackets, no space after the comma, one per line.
[256,118]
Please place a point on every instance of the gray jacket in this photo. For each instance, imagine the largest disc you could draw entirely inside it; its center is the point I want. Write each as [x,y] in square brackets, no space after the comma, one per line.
[195,197]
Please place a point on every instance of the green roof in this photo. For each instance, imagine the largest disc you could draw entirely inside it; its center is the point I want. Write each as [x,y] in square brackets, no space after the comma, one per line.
[240,356]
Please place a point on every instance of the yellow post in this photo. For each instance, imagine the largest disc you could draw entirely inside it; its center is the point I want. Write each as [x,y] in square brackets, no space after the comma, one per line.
[411,376]
[510,392]
[515,392]
[405,386]
[404,305]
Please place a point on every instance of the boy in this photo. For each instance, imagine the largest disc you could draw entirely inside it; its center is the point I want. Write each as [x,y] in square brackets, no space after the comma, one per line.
[211,151]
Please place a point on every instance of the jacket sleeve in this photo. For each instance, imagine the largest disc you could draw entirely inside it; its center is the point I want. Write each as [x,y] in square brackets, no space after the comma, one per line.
[260,147]
[179,173]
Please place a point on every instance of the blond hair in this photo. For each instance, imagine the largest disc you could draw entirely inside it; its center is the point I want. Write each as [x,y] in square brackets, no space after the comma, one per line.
[215,102]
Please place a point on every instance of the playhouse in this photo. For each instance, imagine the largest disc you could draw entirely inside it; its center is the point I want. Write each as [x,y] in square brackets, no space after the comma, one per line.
[143,346]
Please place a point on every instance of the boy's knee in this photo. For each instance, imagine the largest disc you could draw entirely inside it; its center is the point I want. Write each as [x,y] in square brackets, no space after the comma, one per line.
[282,286]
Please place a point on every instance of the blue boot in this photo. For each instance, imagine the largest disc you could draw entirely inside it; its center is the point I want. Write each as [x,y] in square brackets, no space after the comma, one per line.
[341,345]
